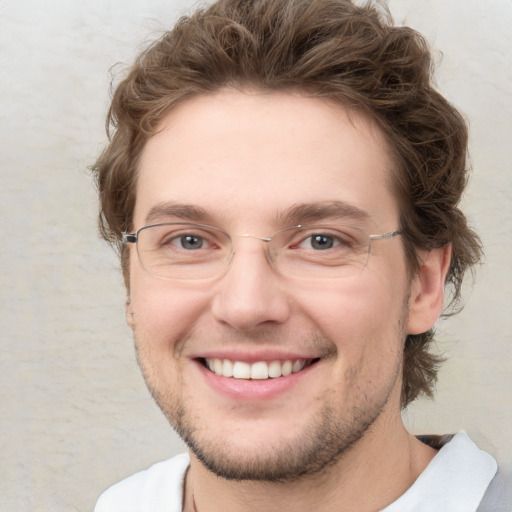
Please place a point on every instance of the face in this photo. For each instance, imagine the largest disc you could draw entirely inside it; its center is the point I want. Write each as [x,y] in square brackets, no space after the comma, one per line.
[249,163]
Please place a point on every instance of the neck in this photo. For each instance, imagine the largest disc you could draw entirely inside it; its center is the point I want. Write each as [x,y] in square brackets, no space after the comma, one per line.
[378,469]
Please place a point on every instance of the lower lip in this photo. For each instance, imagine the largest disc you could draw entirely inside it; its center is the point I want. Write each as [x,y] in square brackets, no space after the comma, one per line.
[253,389]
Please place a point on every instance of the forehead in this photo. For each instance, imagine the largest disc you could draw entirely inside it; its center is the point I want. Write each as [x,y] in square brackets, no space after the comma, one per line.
[249,157]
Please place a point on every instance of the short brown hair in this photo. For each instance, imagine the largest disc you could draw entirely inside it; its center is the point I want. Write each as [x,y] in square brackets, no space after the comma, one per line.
[332,49]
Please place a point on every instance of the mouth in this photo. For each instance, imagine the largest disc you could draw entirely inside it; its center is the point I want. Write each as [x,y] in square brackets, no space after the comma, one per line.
[259,370]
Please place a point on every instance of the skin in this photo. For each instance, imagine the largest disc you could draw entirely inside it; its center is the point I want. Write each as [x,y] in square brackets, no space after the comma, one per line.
[335,435]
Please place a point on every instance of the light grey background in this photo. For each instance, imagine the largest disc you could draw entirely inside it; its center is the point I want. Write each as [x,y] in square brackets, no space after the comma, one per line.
[74,413]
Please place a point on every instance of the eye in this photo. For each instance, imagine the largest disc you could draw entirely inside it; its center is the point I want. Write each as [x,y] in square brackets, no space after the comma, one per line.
[323,241]
[319,242]
[181,240]
[189,242]
[328,240]
[186,241]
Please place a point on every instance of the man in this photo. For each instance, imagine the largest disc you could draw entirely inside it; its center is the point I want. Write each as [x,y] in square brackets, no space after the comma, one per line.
[282,184]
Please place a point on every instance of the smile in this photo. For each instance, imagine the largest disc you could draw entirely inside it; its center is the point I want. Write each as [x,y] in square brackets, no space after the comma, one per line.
[260,370]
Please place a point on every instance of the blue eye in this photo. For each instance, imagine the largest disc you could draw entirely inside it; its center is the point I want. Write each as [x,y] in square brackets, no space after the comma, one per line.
[187,240]
[321,242]
[190,242]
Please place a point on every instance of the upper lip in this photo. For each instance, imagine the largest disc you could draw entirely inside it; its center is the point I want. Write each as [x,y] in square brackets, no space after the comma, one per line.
[254,356]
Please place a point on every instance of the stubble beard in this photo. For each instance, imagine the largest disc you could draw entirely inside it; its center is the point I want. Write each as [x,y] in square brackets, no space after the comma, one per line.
[312,452]
[321,444]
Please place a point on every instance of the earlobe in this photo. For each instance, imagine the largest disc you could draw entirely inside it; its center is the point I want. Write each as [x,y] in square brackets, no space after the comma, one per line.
[129,313]
[427,290]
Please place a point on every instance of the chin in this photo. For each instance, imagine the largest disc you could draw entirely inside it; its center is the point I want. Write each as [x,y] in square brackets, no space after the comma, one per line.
[315,448]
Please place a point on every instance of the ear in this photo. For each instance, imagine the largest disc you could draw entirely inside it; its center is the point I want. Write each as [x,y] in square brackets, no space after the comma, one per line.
[427,290]
[130,320]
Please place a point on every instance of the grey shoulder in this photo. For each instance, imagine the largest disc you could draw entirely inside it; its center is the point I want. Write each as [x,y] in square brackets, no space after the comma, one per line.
[498,497]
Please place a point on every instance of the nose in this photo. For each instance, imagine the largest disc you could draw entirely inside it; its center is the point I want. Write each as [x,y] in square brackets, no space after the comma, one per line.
[251,294]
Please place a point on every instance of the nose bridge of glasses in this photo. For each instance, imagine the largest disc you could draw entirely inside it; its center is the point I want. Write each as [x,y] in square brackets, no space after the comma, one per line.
[265,239]
[255,249]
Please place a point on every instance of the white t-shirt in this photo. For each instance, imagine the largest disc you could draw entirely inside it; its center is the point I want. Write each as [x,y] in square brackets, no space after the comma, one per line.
[454,481]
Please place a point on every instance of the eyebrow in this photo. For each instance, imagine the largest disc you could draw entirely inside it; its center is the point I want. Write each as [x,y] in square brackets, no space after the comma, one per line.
[313,212]
[166,210]
[297,214]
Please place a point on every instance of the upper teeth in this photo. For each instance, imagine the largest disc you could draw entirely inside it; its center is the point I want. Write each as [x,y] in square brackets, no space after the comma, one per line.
[259,370]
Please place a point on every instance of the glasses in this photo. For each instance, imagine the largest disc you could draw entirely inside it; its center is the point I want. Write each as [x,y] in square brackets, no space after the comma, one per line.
[188,251]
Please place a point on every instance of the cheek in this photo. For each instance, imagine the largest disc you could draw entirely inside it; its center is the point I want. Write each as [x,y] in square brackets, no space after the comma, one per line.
[343,309]
[163,312]
[363,319]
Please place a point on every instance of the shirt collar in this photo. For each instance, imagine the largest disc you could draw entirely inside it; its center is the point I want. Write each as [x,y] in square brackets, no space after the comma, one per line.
[455,479]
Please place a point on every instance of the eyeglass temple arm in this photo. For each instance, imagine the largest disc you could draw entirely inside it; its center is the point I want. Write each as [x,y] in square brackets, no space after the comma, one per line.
[385,235]
[129,238]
